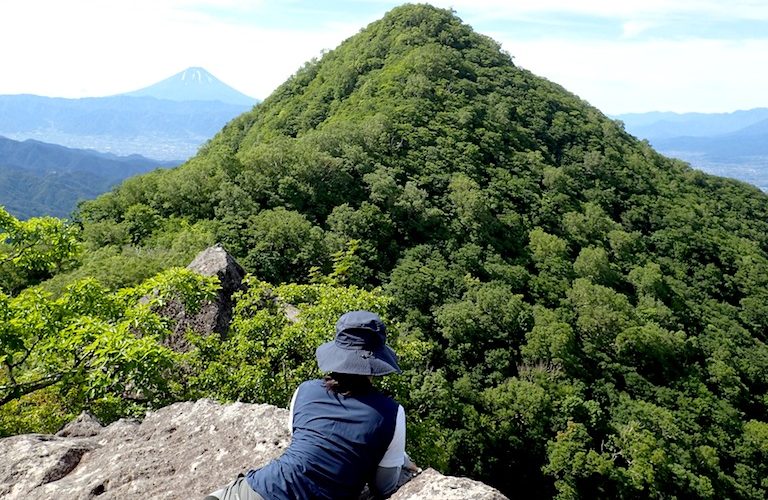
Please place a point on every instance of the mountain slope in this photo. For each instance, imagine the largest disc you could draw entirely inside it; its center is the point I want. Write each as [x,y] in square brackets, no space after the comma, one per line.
[592,314]
[757,128]
[47,179]
[194,84]
[26,194]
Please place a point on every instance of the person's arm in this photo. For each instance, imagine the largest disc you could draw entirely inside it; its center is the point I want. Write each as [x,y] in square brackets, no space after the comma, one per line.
[385,481]
[410,466]
[389,479]
[388,471]
[290,411]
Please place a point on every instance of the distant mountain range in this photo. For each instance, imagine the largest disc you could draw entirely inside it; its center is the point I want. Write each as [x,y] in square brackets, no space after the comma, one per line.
[727,144]
[37,178]
[57,163]
[657,125]
[169,120]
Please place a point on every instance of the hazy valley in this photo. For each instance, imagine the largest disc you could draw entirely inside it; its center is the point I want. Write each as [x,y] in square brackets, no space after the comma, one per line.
[727,144]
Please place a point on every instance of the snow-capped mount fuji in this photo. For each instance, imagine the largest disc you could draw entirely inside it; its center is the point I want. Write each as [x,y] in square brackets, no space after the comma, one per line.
[194,84]
[167,121]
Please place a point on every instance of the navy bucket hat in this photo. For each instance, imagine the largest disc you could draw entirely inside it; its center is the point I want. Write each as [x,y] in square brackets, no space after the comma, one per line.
[359,347]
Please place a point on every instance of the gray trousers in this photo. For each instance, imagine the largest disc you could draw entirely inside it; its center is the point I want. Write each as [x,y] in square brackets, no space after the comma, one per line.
[236,490]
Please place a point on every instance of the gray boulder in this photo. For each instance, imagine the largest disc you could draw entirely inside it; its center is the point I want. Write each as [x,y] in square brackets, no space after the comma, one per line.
[215,316]
[181,451]
[85,425]
[430,484]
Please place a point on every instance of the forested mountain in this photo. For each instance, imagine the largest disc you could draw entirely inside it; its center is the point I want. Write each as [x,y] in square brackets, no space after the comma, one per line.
[577,314]
[47,179]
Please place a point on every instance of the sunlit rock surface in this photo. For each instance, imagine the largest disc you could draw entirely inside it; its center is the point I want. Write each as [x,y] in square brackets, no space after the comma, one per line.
[181,451]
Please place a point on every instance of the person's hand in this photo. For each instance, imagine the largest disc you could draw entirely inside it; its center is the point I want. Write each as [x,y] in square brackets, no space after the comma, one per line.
[410,466]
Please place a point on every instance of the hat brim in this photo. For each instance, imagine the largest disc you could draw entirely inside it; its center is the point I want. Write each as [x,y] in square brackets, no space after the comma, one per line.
[332,358]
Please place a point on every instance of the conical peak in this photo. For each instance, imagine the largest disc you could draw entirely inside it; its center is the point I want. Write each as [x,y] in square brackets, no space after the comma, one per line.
[194,84]
[195,74]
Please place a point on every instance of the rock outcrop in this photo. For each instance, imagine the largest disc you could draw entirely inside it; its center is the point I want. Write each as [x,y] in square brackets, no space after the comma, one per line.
[182,451]
[215,316]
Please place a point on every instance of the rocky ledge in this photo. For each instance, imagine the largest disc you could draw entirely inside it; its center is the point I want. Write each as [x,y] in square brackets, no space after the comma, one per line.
[182,451]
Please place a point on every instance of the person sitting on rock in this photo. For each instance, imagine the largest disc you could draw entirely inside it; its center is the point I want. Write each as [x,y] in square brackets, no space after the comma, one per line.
[345,433]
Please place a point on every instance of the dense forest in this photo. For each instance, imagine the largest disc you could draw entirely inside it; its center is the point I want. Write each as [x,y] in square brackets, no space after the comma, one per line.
[577,315]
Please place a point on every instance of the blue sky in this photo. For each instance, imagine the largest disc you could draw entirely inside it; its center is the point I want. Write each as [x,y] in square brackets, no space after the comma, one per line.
[621,56]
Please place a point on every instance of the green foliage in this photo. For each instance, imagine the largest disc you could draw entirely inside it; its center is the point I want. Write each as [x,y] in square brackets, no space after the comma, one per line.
[140,221]
[483,332]
[593,263]
[174,243]
[599,314]
[347,268]
[550,256]
[654,351]
[752,470]
[87,347]
[577,467]
[551,340]
[270,351]
[34,250]
[279,245]
[44,411]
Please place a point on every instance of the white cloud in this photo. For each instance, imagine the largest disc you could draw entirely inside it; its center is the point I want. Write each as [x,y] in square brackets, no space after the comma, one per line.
[690,75]
[631,29]
[99,47]
[625,9]
[90,47]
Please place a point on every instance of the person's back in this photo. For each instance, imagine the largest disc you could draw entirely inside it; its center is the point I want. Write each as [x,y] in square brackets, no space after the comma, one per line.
[338,441]
[344,432]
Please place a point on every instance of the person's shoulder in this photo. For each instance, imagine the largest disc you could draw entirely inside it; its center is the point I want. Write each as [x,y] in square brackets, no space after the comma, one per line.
[390,397]
[384,399]
[311,383]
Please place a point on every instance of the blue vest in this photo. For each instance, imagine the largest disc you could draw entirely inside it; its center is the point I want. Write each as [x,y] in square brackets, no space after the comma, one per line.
[336,446]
